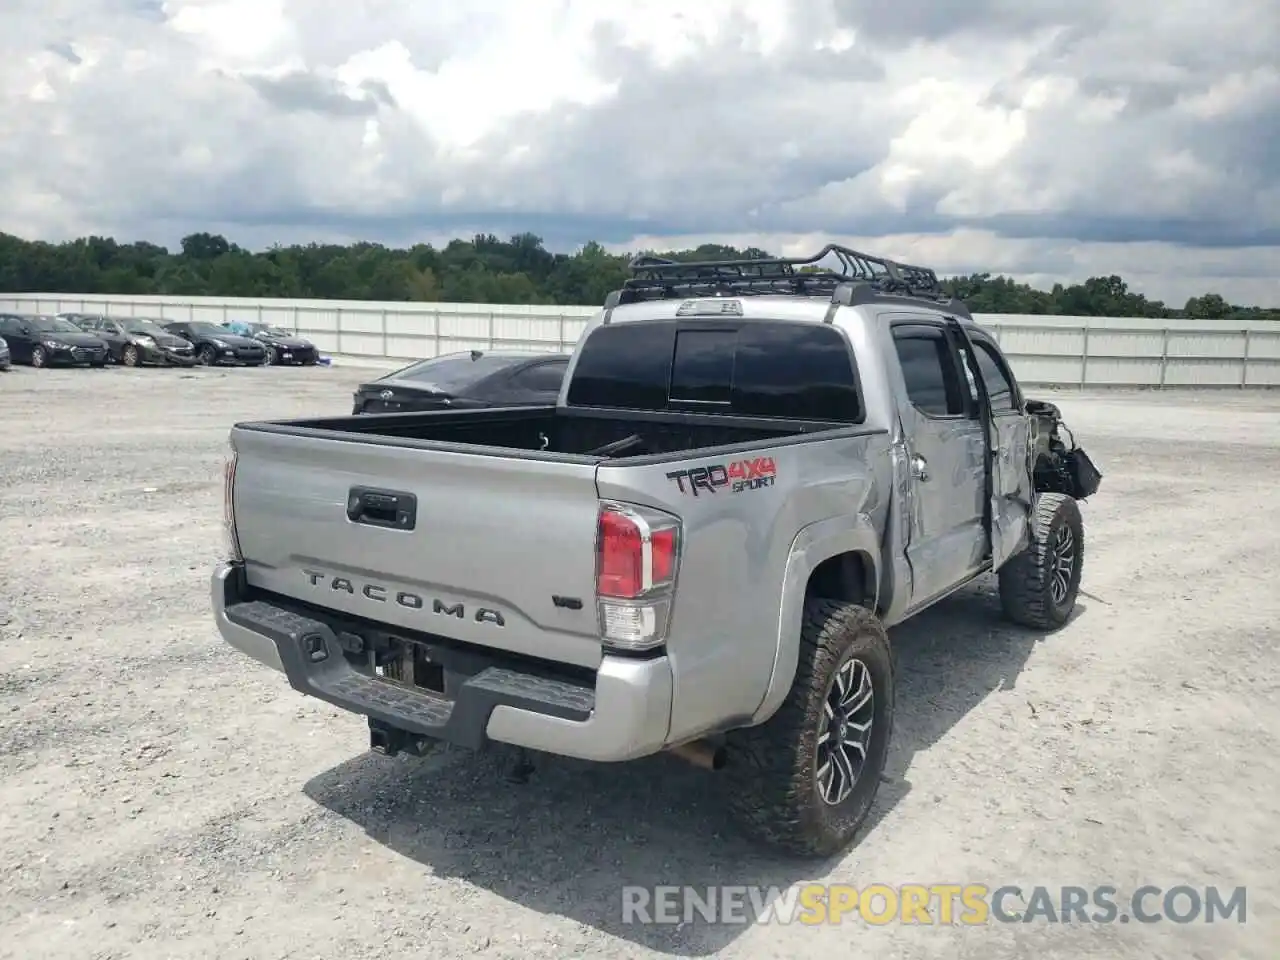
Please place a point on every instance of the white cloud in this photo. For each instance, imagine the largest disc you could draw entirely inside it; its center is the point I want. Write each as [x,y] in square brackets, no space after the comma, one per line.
[1049,140]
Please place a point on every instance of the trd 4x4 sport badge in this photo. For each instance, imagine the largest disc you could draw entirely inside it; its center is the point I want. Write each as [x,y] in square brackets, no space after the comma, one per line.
[736,477]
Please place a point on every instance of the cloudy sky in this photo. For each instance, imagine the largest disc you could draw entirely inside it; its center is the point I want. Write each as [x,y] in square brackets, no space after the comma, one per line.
[1050,140]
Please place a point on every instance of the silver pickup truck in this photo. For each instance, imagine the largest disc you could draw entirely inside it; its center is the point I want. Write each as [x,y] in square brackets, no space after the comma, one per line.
[753,469]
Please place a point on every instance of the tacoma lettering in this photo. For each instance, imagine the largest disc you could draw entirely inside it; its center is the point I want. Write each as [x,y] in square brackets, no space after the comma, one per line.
[403,598]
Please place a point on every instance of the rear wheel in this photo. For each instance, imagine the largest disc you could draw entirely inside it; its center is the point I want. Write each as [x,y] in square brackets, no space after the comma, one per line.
[39,357]
[805,780]
[1039,586]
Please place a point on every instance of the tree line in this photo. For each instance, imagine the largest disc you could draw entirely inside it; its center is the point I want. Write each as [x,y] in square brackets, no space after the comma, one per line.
[484,269]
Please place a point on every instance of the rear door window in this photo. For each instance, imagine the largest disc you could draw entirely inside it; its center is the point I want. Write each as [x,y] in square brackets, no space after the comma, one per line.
[928,372]
[757,368]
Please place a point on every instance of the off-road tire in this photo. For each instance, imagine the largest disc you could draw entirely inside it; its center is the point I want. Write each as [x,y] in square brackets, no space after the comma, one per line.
[772,768]
[1026,579]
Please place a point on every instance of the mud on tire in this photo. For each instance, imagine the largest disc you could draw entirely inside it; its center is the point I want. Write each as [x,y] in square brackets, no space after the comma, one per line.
[1039,586]
[777,770]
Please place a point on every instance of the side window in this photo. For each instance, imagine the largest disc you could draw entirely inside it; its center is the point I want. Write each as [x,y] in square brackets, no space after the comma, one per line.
[702,368]
[541,377]
[929,373]
[998,383]
[8,325]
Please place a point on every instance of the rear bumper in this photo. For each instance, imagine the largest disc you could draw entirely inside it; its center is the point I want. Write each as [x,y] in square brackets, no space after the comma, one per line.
[301,356]
[624,714]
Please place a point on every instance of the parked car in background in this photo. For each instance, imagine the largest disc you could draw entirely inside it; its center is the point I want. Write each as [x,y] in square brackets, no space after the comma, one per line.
[283,346]
[81,320]
[215,344]
[4,354]
[134,341]
[465,380]
[41,340]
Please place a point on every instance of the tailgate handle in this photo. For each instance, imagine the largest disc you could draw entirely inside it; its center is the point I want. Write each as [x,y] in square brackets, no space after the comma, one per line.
[382,508]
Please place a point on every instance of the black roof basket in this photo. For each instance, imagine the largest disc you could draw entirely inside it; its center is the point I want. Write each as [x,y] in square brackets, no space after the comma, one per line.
[854,278]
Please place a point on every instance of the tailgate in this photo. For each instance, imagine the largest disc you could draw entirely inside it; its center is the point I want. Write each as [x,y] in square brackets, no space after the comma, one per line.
[494,540]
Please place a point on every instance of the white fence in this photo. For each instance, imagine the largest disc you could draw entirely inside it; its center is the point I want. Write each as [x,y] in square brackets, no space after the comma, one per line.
[1058,351]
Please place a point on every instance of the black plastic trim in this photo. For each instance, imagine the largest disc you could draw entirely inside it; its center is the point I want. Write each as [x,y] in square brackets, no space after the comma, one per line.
[316,652]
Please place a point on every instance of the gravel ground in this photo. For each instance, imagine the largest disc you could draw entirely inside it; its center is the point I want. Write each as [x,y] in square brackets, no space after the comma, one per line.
[165,797]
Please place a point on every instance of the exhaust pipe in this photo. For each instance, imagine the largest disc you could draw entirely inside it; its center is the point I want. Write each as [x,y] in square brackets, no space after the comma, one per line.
[701,753]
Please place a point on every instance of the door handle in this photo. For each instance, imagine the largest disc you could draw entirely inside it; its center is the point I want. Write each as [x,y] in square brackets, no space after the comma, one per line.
[919,468]
[382,508]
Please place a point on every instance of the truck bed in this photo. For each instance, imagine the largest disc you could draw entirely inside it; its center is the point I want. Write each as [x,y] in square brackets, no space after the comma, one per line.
[558,433]
[475,525]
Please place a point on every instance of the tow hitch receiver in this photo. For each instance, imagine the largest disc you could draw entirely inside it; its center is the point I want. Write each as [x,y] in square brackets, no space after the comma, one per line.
[388,741]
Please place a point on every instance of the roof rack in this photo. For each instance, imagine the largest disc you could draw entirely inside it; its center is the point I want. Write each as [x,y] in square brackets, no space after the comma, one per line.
[857,278]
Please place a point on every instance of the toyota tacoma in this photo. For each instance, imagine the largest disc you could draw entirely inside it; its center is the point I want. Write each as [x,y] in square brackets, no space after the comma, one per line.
[752,471]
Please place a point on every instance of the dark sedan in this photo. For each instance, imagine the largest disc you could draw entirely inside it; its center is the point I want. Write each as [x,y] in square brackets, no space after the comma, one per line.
[215,344]
[283,346]
[474,378]
[134,341]
[43,341]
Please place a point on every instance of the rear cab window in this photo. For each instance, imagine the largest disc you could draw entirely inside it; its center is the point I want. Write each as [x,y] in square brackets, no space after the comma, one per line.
[757,368]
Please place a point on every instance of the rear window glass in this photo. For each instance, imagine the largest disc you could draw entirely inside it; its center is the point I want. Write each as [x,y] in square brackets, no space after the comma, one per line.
[759,369]
[702,368]
[453,371]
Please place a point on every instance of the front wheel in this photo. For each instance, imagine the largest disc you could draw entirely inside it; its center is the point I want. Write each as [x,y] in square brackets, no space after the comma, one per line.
[39,357]
[804,781]
[273,356]
[207,355]
[129,356]
[1039,586]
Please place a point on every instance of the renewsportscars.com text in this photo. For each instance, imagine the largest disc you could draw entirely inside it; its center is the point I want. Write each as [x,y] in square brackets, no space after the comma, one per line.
[937,903]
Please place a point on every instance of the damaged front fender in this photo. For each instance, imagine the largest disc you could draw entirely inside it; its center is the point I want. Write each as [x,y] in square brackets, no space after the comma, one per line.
[1057,467]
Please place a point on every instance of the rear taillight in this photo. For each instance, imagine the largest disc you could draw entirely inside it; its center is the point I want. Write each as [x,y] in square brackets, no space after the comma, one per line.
[231,543]
[637,557]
